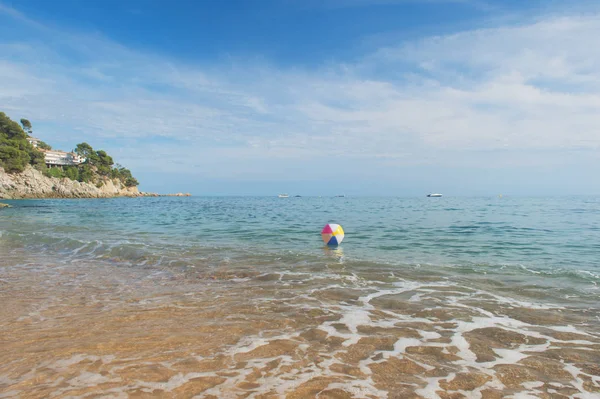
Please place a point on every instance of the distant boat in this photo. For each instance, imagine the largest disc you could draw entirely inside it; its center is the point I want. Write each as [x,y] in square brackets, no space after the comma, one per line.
[434,195]
[297,196]
[283,196]
[340,196]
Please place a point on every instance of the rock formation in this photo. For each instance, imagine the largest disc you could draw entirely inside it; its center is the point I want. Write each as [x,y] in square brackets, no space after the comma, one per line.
[142,194]
[31,183]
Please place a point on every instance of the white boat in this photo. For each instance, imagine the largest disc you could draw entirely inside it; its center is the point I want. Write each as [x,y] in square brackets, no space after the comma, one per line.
[283,196]
[434,195]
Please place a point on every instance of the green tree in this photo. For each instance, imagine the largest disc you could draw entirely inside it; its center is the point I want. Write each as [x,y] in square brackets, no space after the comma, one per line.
[104,163]
[37,159]
[15,151]
[13,160]
[10,129]
[85,150]
[27,126]
[55,172]
[85,173]
[131,182]
[44,146]
[126,177]
[104,158]
[72,172]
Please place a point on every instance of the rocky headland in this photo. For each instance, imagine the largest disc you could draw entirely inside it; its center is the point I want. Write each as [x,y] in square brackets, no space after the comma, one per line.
[30,168]
[32,183]
[143,194]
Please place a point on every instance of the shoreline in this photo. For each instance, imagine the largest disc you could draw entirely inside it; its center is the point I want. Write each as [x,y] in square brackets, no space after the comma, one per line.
[213,298]
[144,194]
[32,184]
[141,195]
[230,330]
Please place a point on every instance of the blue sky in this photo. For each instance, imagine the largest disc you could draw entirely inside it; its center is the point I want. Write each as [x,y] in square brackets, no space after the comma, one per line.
[362,97]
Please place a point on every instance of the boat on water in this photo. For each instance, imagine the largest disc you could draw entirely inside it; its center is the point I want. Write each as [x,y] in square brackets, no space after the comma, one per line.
[434,195]
[283,196]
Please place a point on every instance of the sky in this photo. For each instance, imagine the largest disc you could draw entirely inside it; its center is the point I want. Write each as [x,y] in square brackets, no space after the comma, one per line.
[315,97]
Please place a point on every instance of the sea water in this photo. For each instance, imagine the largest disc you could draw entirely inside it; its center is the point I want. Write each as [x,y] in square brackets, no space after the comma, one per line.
[238,297]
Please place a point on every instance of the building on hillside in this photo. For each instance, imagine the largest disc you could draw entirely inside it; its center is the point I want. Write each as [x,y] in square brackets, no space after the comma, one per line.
[57,158]
[33,141]
[61,158]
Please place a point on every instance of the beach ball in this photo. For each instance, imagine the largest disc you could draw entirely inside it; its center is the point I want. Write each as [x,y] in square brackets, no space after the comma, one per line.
[332,234]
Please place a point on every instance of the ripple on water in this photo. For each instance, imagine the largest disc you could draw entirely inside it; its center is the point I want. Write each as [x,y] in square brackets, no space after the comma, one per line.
[262,330]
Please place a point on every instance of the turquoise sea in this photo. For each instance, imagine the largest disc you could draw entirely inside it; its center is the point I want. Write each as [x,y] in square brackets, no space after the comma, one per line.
[459,273]
[533,243]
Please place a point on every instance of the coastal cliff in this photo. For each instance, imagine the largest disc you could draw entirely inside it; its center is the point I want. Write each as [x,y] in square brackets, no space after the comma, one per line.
[29,168]
[32,183]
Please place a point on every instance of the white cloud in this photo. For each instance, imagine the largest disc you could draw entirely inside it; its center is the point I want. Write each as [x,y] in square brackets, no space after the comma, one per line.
[516,93]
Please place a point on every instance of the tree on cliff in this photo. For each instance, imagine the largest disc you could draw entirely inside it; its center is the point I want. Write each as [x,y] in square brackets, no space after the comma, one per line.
[84,150]
[101,163]
[85,173]
[15,151]
[44,146]
[27,126]
[104,163]
[126,177]
[72,172]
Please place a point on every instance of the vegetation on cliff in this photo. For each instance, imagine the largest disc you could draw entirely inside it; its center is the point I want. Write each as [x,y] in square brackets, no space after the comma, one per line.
[98,165]
[16,153]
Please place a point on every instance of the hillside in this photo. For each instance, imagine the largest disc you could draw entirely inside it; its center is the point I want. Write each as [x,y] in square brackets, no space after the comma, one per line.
[35,171]
[31,183]
[15,151]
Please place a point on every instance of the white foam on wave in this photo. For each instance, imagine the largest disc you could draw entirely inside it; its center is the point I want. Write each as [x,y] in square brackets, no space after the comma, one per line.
[174,382]
[522,395]
[289,373]
[568,329]
[77,250]
[353,317]
[429,335]
[578,382]
[508,356]
[87,379]
[589,273]
[248,344]
[532,384]
[359,389]
[484,296]
[64,364]
[401,345]
[432,386]
[523,267]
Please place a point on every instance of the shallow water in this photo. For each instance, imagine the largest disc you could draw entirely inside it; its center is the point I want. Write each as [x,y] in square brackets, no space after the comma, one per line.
[237,297]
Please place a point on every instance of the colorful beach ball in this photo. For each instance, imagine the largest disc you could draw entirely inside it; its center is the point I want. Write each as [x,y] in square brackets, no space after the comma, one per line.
[332,234]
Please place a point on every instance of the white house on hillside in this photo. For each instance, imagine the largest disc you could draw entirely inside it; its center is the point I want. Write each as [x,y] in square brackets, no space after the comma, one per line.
[57,158]
[61,158]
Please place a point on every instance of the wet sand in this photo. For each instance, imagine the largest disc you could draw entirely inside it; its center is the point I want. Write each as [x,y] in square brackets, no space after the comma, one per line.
[86,330]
